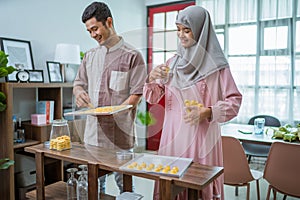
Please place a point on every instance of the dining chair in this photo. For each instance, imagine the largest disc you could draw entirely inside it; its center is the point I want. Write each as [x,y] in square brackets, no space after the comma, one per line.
[282,169]
[260,150]
[236,168]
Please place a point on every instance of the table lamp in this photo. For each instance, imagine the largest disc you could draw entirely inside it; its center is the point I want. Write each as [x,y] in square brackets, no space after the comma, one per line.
[67,54]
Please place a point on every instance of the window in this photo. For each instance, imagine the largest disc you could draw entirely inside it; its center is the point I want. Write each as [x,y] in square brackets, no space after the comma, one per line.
[276,9]
[237,44]
[262,42]
[220,36]
[163,32]
[275,37]
[242,11]
[217,17]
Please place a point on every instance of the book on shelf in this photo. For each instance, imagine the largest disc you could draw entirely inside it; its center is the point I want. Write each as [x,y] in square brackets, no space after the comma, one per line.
[47,108]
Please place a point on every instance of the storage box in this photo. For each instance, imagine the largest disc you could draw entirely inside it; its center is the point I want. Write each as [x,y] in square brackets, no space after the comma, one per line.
[25,170]
[38,119]
[24,162]
[25,178]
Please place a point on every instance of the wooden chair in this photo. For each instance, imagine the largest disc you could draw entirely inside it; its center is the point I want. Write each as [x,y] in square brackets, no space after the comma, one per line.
[236,168]
[282,170]
[260,150]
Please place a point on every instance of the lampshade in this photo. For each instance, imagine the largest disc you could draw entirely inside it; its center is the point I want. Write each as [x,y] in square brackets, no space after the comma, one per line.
[67,54]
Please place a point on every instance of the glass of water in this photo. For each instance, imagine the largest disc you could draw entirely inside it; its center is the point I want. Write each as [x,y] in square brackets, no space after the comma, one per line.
[259,125]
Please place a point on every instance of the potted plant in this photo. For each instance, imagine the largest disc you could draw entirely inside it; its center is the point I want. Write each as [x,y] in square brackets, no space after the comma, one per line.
[4,71]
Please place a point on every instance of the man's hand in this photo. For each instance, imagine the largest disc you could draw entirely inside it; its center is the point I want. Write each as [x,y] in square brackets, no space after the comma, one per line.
[82,98]
[133,100]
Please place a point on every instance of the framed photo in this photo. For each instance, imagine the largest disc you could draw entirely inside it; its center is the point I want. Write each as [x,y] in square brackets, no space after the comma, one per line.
[54,72]
[19,55]
[36,76]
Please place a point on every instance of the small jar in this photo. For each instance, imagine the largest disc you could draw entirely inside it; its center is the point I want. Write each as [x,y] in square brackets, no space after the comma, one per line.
[60,135]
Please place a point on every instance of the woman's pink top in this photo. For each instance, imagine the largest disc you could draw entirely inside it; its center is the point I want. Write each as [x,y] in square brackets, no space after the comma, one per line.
[201,142]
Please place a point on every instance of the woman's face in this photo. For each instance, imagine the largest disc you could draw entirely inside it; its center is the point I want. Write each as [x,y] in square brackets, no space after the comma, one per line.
[185,36]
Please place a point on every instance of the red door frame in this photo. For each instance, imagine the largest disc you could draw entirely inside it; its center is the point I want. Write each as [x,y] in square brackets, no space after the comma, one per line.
[154,131]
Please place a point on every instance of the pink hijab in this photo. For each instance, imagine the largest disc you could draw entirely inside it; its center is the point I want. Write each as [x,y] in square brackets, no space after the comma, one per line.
[204,57]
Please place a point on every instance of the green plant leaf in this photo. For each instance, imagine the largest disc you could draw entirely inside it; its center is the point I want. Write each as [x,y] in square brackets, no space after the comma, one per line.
[5,163]
[2,106]
[3,72]
[81,55]
[146,118]
[2,97]
[3,59]
[4,69]
[10,69]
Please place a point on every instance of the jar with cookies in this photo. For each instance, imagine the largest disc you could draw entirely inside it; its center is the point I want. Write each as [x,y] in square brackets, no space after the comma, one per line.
[60,135]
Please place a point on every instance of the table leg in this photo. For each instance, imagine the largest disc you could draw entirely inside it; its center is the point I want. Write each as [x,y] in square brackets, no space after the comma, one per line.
[165,189]
[192,194]
[40,175]
[93,181]
[127,183]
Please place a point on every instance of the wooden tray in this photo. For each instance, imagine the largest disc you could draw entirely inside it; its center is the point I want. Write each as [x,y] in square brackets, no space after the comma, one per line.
[181,163]
[105,110]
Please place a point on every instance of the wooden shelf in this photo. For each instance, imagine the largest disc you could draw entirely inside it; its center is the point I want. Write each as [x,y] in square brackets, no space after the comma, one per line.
[40,85]
[27,143]
[21,99]
[58,191]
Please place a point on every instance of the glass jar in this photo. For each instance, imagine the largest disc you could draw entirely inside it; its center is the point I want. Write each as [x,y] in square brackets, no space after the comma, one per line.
[60,135]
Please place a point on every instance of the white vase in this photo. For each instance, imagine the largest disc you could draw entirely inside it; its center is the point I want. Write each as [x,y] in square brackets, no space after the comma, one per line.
[70,72]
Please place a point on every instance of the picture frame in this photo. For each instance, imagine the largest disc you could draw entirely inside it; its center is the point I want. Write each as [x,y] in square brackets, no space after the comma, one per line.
[54,72]
[19,55]
[36,76]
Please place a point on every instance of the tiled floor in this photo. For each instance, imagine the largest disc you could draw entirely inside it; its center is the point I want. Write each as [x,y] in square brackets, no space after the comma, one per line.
[145,186]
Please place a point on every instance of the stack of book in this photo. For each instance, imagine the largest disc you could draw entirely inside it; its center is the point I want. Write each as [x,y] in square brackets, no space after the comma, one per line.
[47,108]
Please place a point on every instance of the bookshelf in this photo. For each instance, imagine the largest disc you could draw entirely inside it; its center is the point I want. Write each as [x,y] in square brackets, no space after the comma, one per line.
[21,98]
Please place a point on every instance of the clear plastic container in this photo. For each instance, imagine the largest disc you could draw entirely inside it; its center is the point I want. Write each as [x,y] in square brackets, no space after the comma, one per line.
[60,135]
[129,196]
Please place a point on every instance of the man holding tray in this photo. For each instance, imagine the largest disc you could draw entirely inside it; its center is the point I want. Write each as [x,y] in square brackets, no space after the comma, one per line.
[110,74]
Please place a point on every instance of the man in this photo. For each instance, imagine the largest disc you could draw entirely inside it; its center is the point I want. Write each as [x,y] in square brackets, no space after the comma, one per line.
[111,74]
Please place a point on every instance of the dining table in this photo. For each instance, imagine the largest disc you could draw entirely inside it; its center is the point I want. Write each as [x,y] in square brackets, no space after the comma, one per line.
[102,161]
[245,133]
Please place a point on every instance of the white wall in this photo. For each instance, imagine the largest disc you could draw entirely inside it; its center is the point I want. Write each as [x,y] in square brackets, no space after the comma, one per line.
[46,23]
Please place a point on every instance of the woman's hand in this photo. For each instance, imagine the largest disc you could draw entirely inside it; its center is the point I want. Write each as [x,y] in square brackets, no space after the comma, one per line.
[159,72]
[196,114]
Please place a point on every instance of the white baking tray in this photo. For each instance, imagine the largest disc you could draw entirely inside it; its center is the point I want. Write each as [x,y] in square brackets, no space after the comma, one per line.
[116,109]
[181,163]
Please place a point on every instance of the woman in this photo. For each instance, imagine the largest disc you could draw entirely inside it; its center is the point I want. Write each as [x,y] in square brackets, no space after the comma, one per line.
[199,94]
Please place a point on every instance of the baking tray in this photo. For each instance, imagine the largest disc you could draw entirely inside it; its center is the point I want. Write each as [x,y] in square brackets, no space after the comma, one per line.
[181,163]
[94,111]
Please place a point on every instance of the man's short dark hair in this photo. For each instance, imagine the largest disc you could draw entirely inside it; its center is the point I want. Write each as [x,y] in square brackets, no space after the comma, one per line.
[99,10]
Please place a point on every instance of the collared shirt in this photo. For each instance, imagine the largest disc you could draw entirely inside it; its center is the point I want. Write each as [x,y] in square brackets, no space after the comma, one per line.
[110,76]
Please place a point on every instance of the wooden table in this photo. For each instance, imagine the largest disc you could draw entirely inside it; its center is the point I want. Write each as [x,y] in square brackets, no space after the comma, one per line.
[101,161]
[231,129]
